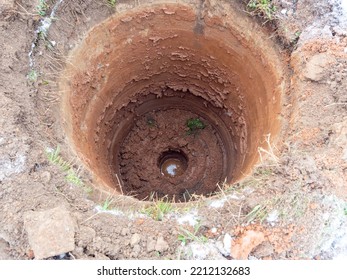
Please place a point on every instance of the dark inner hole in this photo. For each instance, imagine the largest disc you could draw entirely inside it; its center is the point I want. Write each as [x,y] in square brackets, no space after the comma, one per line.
[173,163]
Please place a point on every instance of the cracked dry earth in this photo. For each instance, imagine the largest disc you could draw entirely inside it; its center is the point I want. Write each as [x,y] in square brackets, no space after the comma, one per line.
[61,203]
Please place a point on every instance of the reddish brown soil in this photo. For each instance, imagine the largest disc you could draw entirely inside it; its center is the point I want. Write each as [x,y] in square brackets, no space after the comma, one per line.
[163,131]
[142,54]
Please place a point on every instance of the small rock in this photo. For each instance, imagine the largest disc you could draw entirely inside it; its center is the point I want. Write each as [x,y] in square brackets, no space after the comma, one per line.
[227,240]
[135,239]
[202,251]
[151,245]
[333,85]
[30,254]
[117,230]
[316,67]
[78,252]
[100,256]
[244,245]
[161,245]
[107,239]
[265,249]
[4,246]
[220,247]
[125,231]
[50,232]
[85,236]
[344,154]
[46,177]
[272,218]
[284,11]
[136,251]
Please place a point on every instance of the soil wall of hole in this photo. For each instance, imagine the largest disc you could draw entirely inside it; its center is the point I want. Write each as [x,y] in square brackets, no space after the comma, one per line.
[210,57]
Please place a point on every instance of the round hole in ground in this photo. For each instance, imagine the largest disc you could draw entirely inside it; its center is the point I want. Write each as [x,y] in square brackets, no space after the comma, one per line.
[172,88]
[173,163]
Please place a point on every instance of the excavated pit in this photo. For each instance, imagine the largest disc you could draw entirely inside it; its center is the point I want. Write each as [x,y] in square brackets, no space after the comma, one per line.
[169,100]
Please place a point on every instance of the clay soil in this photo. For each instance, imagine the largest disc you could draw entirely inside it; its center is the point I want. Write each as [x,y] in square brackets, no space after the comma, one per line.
[291,206]
[151,137]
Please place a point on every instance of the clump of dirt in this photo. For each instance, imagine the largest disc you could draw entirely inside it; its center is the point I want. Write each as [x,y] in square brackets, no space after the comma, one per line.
[263,243]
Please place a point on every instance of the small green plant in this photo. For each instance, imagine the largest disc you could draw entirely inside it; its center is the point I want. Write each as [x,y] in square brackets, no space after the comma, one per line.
[107,203]
[257,214]
[71,175]
[87,189]
[295,37]
[42,8]
[158,209]
[73,178]
[41,35]
[187,235]
[263,171]
[32,76]
[151,122]
[263,8]
[55,158]
[194,126]
[112,3]
[345,210]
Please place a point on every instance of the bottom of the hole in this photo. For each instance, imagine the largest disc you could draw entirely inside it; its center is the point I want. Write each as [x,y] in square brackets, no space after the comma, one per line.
[173,147]
[173,163]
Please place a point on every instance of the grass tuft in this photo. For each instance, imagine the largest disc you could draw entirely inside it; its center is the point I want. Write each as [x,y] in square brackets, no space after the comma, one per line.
[185,236]
[158,209]
[72,177]
[55,158]
[194,126]
[42,8]
[111,3]
[265,9]
[107,203]
[32,76]
[257,214]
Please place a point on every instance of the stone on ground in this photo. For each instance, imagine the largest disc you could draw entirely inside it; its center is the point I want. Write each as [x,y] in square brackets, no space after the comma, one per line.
[50,232]
[227,240]
[161,245]
[151,244]
[135,239]
[316,67]
[4,247]
[244,245]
